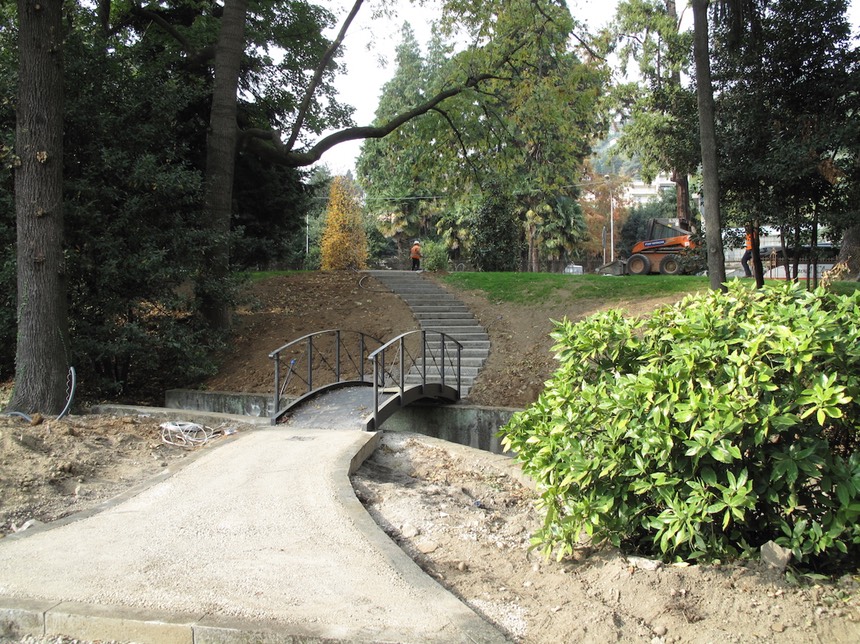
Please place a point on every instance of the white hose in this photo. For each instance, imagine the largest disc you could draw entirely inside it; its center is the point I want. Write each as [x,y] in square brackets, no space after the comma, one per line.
[184,434]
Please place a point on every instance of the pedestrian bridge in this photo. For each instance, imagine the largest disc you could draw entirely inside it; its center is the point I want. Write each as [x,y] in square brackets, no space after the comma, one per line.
[417,365]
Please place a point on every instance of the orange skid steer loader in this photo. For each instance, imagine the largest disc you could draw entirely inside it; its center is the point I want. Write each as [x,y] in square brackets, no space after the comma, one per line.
[660,253]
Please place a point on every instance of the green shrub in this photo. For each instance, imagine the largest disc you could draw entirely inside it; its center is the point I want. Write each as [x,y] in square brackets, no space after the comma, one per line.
[435,256]
[704,431]
[496,234]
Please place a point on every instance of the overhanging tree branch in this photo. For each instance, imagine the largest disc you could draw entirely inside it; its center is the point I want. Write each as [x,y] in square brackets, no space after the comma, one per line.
[195,56]
[267,143]
[318,74]
[463,147]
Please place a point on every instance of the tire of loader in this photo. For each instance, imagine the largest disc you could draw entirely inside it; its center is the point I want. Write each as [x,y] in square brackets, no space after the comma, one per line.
[638,264]
[670,265]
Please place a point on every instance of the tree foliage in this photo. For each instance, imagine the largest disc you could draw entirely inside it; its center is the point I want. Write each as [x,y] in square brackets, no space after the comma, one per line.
[135,236]
[344,242]
[134,141]
[702,432]
[8,266]
[788,120]
[660,112]
[526,131]
[496,238]
[397,184]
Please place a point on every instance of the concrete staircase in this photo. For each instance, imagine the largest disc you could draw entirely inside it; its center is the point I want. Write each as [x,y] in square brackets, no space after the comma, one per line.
[437,309]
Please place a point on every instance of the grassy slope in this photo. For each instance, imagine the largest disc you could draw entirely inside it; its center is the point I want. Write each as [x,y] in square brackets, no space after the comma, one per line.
[529,288]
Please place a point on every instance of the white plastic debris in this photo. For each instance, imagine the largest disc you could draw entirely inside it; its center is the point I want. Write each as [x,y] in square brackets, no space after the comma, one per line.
[185,434]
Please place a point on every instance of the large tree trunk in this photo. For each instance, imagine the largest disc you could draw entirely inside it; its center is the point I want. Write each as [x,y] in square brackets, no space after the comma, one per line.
[680,179]
[42,353]
[682,194]
[221,161]
[758,268]
[708,140]
[849,252]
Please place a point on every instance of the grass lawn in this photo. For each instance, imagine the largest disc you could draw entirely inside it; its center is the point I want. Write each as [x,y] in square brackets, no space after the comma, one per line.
[529,288]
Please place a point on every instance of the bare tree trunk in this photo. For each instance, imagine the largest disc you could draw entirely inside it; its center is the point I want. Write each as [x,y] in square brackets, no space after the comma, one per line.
[708,139]
[758,268]
[849,252]
[221,161]
[798,240]
[682,182]
[42,352]
[534,256]
[682,194]
[812,258]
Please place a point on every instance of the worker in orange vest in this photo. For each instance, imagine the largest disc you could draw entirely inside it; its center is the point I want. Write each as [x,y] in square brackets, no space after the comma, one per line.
[747,256]
[415,254]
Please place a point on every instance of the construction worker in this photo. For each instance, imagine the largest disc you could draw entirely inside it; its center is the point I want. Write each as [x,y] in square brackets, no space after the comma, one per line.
[415,254]
[747,256]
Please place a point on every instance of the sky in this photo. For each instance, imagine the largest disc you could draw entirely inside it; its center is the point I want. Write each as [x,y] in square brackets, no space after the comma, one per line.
[370,45]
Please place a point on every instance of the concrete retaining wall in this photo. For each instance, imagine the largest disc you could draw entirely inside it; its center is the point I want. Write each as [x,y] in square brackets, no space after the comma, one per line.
[462,424]
[260,405]
[470,425]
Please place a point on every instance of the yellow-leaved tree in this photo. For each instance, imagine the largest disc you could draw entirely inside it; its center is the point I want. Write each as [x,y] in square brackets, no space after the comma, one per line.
[344,242]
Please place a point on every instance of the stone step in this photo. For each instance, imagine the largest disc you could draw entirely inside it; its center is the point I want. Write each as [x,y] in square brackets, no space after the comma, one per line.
[451,361]
[457,332]
[419,309]
[462,335]
[414,377]
[469,357]
[443,315]
[437,309]
[426,323]
[450,379]
[472,347]
[468,347]
[450,371]
[439,299]
[417,286]
[451,358]
[430,297]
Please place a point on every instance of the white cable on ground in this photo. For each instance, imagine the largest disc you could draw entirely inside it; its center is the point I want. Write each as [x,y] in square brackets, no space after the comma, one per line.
[186,434]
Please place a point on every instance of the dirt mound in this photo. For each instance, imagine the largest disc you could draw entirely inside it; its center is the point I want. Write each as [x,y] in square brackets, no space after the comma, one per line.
[280,309]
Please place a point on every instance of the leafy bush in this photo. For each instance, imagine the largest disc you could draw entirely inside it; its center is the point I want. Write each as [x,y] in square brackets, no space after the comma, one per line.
[706,430]
[435,256]
[496,234]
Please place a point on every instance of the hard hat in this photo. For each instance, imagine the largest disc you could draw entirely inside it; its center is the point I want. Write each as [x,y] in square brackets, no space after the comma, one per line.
[417,242]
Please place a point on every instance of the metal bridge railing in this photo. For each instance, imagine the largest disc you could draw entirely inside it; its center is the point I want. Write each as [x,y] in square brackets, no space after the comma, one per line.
[319,361]
[415,358]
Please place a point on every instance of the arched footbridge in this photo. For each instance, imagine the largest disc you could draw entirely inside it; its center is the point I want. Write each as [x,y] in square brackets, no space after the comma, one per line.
[421,364]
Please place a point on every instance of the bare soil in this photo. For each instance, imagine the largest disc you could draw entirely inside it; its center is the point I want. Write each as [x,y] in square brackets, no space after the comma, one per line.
[465,516]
